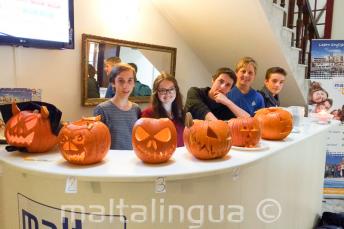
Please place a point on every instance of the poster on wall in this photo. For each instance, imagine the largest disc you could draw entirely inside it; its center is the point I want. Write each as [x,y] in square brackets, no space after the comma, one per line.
[326,97]
[9,95]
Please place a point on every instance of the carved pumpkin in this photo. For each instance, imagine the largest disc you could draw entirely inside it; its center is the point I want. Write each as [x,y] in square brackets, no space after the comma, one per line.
[245,131]
[206,139]
[30,130]
[154,140]
[85,141]
[276,123]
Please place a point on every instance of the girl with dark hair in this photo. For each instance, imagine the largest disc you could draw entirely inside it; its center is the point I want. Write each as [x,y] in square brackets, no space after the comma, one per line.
[166,102]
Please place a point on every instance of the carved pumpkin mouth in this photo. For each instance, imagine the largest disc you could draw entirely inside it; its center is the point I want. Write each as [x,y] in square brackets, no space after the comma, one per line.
[20,139]
[72,152]
[209,145]
[155,155]
[75,156]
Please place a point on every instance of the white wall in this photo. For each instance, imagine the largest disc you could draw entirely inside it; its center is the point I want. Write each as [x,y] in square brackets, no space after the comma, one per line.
[58,72]
[338,18]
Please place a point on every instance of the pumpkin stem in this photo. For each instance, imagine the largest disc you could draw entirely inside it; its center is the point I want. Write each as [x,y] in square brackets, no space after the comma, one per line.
[188,120]
[15,108]
[89,126]
[95,118]
[44,112]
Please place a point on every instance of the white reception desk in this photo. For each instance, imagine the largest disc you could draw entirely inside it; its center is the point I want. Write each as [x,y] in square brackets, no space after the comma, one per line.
[277,187]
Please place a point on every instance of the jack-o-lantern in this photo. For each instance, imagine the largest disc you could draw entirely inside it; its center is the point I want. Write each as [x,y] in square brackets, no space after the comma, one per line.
[245,131]
[276,123]
[207,139]
[84,142]
[154,140]
[30,130]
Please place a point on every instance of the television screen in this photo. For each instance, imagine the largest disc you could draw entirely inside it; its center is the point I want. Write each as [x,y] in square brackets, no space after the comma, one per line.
[37,23]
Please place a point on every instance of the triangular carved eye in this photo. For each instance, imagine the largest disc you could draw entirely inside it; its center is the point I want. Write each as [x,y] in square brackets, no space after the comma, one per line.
[164,135]
[141,134]
[211,133]
[30,122]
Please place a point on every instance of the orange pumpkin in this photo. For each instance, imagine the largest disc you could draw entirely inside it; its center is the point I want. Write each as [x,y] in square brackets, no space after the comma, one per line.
[276,123]
[207,139]
[30,130]
[245,131]
[84,142]
[154,140]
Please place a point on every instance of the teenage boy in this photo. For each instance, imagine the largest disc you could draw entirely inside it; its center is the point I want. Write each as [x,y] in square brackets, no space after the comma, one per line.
[242,94]
[273,84]
[211,103]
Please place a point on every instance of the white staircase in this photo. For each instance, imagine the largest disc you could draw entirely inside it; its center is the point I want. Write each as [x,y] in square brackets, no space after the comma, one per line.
[220,32]
[275,13]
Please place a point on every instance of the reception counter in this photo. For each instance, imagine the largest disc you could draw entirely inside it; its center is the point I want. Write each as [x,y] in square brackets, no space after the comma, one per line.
[277,185]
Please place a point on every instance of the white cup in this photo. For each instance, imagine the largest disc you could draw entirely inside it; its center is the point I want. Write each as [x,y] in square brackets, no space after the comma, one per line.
[298,113]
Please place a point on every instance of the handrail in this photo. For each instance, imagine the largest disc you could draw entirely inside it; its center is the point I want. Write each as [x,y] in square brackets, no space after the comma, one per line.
[304,25]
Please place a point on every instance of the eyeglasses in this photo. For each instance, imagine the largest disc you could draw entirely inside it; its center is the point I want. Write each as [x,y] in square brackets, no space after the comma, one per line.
[164,91]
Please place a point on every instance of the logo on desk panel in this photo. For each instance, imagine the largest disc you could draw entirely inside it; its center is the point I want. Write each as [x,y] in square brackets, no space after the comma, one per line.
[36,215]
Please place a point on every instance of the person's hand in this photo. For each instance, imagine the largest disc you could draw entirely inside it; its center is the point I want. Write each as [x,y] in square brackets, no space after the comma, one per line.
[220,98]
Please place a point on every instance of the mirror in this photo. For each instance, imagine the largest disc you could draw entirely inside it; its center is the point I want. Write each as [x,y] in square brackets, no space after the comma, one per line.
[149,59]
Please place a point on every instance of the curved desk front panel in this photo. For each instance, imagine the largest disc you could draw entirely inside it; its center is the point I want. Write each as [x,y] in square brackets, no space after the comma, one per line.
[277,187]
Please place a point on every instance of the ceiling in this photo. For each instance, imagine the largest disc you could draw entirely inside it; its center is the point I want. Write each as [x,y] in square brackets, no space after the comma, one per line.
[220,32]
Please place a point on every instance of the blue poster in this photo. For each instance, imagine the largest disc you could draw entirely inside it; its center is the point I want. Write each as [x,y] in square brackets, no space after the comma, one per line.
[326,95]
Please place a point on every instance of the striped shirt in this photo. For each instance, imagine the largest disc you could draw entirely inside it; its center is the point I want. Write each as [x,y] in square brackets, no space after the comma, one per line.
[119,122]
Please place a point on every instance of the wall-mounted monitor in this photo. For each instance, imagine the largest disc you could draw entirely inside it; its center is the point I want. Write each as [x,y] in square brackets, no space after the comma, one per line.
[37,23]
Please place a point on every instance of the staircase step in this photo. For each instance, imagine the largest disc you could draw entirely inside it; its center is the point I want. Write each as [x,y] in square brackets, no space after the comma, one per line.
[286,34]
[283,9]
[277,15]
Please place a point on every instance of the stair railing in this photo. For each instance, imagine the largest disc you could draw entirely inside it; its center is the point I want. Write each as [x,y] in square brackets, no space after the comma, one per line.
[303,20]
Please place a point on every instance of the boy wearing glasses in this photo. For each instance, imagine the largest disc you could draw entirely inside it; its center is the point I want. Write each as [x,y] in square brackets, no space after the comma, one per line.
[212,103]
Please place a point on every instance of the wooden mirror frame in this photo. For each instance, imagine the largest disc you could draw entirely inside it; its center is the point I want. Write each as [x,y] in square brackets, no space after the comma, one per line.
[86,38]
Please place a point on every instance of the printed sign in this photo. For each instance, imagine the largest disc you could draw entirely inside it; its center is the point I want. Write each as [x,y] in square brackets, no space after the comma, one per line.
[33,214]
[326,98]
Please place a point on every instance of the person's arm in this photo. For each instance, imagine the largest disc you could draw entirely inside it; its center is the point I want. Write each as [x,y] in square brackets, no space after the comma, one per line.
[237,111]
[195,105]
[99,111]
[210,116]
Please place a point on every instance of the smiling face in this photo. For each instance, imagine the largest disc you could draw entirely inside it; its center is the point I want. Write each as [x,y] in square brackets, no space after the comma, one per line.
[166,92]
[124,83]
[245,75]
[319,96]
[222,84]
[275,83]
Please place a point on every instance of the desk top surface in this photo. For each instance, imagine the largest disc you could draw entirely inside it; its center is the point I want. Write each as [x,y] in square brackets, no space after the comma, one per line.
[124,166]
